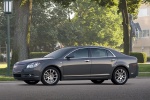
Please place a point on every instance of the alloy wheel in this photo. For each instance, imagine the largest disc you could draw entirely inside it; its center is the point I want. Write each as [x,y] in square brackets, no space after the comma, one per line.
[50,76]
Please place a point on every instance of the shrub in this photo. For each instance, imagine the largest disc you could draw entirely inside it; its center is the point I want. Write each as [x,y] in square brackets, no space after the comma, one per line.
[1,58]
[148,59]
[141,56]
[38,54]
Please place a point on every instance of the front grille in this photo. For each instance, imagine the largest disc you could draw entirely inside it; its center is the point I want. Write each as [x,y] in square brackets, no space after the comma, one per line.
[17,75]
[18,68]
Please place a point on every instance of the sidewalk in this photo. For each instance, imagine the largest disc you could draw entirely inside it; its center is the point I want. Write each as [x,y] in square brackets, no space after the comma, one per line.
[147,62]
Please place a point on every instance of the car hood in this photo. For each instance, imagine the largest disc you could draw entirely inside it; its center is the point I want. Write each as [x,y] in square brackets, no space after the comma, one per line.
[32,60]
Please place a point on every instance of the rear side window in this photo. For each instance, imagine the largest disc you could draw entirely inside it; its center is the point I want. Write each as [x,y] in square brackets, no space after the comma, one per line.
[98,53]
[109,54]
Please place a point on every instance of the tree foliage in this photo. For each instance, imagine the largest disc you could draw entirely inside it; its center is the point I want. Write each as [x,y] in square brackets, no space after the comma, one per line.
[45,23]
[21,12]
[92,25]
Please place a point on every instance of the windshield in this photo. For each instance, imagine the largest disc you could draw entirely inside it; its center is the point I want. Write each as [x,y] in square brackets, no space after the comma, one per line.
[59,53]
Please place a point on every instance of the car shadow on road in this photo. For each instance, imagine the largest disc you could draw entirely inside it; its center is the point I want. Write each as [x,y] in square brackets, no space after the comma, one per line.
[72,84]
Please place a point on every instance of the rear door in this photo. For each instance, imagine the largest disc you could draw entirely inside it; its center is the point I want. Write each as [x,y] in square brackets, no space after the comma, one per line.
[102,62]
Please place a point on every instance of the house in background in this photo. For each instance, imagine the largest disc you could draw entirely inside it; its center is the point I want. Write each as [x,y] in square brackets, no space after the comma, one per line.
[141,43]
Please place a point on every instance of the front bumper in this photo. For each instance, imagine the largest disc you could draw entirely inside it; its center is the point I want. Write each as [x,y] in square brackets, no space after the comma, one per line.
[26,74]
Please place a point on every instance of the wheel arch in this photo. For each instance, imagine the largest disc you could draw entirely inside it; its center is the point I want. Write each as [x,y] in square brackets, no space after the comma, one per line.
[54,67]
[123,66]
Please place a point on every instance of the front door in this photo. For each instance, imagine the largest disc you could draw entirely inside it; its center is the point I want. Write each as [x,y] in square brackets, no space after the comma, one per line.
[78,65]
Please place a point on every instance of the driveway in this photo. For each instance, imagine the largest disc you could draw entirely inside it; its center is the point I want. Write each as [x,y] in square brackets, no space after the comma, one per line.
[134,89]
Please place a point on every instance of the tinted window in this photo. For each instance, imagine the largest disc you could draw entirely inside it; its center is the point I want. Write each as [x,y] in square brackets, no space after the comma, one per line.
[109,54]
[59,53]
[81,53]
[100,53]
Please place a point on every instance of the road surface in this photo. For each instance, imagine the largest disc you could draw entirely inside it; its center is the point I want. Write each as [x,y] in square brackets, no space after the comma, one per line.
[134,89]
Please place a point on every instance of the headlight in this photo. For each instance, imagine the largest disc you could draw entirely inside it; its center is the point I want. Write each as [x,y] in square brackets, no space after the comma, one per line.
[33,65]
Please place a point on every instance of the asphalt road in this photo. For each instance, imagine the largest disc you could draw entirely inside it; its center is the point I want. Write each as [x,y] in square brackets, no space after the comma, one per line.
[134,89]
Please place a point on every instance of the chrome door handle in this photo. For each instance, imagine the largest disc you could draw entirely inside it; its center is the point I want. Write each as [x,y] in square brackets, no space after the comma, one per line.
[113,60]
[87,60]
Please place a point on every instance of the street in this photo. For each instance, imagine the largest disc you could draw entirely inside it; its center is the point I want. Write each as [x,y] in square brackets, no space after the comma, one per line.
[134,89]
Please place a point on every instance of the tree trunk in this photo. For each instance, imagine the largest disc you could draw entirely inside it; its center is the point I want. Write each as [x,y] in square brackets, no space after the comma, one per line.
[125,27]
[20,50]
[29,27]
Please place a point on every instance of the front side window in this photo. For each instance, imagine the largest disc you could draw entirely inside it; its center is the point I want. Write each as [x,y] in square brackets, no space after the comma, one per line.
[59,53]
[81,53]
[96,52]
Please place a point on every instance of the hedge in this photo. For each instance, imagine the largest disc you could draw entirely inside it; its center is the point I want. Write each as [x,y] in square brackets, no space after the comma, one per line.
[1,58]
[141,56]
[38,54]
[148,59]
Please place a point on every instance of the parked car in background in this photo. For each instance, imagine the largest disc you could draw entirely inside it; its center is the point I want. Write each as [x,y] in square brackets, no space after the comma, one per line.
[78,63]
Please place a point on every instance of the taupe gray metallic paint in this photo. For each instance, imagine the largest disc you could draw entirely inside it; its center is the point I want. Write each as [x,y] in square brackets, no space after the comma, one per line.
[81,68]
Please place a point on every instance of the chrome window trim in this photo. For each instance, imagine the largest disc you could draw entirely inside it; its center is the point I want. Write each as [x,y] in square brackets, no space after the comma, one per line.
[105,56]
[111,53]
[90,52]
[76,50]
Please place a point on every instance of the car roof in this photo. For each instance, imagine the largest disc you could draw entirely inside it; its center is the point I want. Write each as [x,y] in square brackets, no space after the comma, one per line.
[86,47]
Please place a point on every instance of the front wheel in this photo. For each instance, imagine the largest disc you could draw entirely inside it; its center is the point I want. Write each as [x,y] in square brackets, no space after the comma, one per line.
[97,81]
[31,82]
[50,76]
[120,76]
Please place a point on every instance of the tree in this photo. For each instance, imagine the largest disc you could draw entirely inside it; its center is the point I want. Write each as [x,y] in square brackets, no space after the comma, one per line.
[21,34]
[22,12]
[124,6]
[45,22]
[92,25]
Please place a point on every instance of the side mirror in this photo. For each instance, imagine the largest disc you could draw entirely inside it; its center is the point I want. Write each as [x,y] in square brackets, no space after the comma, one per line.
[68,57]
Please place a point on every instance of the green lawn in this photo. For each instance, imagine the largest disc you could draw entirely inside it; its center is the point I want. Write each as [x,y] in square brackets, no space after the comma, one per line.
[3,73]
[144,75]
[144,67]
[3,69]
[3,65]
[4,77]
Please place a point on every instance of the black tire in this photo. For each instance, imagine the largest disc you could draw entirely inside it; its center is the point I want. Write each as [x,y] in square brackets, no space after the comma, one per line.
[119,76]
[30,82]
[97,81]
[50,76]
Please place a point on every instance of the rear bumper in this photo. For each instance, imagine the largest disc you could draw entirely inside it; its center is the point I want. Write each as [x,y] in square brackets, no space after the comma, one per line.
[133,70]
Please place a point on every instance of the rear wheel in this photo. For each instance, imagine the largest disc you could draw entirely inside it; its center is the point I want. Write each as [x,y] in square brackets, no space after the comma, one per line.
[120,76]
[30,82]
[50,76]
[97,81]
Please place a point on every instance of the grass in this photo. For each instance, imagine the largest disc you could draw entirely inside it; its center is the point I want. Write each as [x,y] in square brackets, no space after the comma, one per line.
[144,67]
[144,75]
[3,73]
[4,77]
[3,65]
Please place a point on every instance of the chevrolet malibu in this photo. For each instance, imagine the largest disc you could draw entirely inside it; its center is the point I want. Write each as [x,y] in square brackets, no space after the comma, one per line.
[78,63]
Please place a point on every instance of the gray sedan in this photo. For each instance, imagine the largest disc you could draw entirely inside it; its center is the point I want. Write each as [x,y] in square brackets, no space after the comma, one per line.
[78,63]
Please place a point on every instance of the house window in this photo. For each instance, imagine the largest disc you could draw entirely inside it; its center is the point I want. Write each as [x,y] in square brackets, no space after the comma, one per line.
[145,33]
[143,12]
